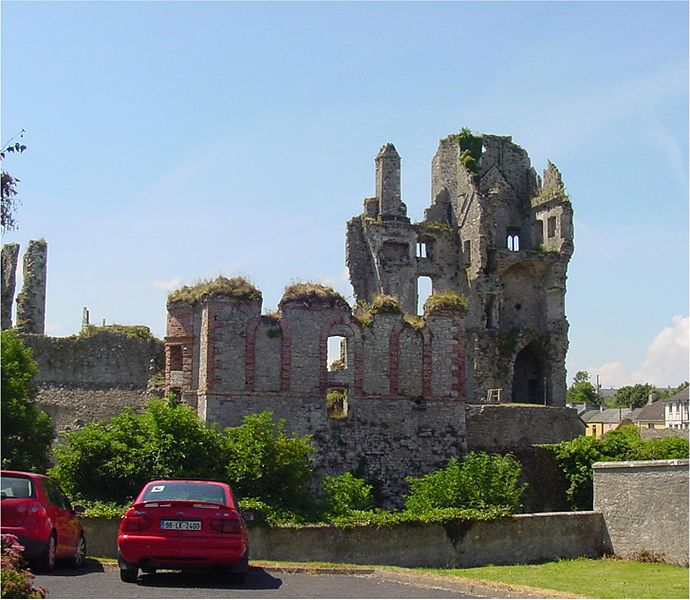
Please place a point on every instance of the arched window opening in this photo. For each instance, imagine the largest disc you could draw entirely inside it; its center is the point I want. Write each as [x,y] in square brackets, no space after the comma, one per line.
[513,239]
[422,250]
[424,290]
[337,353]
[530,377]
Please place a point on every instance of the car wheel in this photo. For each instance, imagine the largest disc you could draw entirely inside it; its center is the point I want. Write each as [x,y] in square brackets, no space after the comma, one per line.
[238,574]
[129,575]
[79,553]
[46,561]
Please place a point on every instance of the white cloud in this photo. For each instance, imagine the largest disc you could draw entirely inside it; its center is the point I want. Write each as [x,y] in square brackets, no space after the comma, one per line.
[171,284]
[665,363]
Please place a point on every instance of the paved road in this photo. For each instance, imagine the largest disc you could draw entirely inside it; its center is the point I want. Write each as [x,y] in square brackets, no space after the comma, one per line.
[96,581]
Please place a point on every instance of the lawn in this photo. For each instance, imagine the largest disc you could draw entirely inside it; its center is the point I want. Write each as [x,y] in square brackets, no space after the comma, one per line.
[603,578]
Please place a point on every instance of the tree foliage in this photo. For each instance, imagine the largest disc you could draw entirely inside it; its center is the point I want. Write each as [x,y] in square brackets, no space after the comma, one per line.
[582,391]
[346,493]
[8,188]
[27,431]
[479,481]
[110,460]
[576,457]
[632,396]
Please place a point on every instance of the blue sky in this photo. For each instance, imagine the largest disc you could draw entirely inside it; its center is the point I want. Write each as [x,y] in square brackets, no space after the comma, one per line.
[173,141]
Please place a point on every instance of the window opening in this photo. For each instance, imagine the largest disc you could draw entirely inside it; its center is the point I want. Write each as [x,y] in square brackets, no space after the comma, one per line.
[175,358]
[337,353]
[336,403]
[467,251]
[513,239]
[551,227]
[421,250]
[424,290]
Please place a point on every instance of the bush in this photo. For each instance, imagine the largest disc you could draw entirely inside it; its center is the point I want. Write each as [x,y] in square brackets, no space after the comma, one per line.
[237,287]
[27,431]
[346,493]
[262,461]
[576,457]
[309,294]
[16,581]
[480,481]
[110,460]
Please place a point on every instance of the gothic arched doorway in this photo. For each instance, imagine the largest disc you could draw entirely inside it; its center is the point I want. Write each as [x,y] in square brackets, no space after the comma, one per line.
[530,383]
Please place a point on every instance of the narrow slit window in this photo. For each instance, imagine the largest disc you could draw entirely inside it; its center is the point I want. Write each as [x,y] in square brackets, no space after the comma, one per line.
[551,227]
[421,250]
[513,239]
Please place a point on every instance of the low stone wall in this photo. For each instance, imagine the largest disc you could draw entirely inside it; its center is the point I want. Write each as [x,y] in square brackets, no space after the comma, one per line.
[645,506]
[512,540]
[501,427]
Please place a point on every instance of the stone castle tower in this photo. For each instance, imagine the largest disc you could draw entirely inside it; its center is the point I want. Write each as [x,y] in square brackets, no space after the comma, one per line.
[496,233]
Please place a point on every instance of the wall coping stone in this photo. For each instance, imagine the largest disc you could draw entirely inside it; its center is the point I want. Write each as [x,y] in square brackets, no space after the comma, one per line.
[643,464]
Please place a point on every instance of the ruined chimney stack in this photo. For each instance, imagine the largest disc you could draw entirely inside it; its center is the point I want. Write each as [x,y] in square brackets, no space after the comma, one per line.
[10,255]
[391,207]
[31,301]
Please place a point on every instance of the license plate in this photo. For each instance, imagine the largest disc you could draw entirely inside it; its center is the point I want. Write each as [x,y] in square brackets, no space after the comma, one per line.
[181,525]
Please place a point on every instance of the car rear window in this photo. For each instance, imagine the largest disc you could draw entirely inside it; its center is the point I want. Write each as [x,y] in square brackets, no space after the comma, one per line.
[16,487]
[172,490]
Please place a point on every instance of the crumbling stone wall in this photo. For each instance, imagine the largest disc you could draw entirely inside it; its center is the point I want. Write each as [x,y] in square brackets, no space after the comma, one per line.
[10,255]
[499,236]
[31,301]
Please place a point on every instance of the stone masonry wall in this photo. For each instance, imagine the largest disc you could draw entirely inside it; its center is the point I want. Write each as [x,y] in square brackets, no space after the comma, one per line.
[31,301]
[10,255]
[99,361]
[645,506]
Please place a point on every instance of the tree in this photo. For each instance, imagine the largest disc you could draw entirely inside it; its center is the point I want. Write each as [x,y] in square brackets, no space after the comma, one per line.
[8,206]
[27,431]
[582,391]
[633,396]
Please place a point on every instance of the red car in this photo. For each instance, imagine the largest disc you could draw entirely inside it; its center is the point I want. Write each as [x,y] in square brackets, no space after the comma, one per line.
[184,524]
[38,512]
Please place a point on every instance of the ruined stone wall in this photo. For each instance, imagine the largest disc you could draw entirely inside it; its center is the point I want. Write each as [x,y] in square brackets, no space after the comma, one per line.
[497,428]
[100,361]
[381,440]
[31,301]
[10,255]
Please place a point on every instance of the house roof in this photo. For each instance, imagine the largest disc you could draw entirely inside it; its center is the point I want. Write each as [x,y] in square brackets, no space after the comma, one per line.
[652,412]
[608,415]
[679,396]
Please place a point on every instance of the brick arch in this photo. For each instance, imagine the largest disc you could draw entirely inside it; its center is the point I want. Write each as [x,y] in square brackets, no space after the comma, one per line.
[340,326]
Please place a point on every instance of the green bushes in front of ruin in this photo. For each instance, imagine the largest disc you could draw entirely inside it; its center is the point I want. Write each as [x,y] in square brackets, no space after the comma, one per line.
[27,431]
[109,461]
[576,457]
[480,481]
[236,287]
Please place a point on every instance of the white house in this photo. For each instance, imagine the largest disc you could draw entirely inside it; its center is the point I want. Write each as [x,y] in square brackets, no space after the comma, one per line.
[676,410]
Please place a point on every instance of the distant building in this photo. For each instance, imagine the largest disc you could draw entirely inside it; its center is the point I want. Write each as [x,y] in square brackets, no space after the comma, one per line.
[676,410]
[602,420]
[651,416]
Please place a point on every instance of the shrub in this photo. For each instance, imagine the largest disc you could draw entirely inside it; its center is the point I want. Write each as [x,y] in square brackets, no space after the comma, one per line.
[262,461]
[110,460]
[445,302]
[480,481]
[141,332]
[576,457]
[27,431]
[237,287]
[16,581]
[346,493]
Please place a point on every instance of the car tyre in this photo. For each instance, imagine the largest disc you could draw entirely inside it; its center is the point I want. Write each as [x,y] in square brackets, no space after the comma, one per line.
[238,574]
[46,561]
[79,557]
[129,575]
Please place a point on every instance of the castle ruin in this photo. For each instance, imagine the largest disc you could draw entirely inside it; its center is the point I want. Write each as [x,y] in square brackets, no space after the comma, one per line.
[398,402]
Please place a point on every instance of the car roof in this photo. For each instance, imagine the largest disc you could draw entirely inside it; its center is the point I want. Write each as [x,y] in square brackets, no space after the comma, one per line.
[22,474]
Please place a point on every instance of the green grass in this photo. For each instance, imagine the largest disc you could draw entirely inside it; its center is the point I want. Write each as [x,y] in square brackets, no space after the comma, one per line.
[603,578]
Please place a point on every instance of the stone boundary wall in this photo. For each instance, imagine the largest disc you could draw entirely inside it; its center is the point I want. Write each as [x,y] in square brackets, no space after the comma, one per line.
[645,506]
[100,361]
[504,427]
[512,540]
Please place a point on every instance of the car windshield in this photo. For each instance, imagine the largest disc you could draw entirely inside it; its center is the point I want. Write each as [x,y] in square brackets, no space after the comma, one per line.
[16,487]
[173,490]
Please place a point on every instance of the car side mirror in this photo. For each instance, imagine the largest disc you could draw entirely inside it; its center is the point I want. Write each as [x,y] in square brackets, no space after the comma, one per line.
[248,516]
[78,509]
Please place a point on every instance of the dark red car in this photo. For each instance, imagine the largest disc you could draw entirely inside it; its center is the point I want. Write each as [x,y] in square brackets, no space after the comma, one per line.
[183,524]
[38,512]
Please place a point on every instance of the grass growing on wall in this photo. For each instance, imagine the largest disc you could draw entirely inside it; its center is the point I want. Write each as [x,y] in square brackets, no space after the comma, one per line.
[236,287]
[141,332]
[312,293]
[602,578]
[445,302]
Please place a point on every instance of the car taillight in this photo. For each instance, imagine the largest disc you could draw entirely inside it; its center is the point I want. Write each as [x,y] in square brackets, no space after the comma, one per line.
[135,522]
[32,509]
[225,525]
